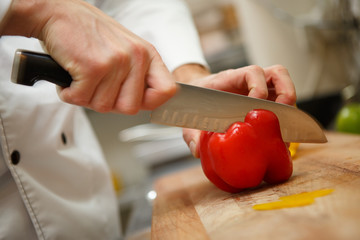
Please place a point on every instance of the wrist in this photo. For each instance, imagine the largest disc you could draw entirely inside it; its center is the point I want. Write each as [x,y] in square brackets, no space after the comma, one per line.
[25,18]
[188,73]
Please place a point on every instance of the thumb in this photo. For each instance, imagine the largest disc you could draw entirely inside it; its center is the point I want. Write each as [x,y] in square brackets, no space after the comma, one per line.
[192,139]
[160,85]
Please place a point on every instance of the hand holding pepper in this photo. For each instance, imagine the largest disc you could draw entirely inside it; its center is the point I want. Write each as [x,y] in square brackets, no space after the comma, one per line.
[272,83]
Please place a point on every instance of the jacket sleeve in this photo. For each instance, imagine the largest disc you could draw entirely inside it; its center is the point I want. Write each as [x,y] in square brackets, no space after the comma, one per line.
[167,24]
[4,6]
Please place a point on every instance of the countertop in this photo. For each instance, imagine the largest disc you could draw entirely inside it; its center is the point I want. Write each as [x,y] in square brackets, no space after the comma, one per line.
[188,206]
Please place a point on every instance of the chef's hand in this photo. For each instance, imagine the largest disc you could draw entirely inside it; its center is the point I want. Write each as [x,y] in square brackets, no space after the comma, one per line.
[112,68]
[272,83]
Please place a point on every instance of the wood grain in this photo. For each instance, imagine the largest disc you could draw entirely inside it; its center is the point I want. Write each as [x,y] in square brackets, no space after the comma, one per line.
[188,206]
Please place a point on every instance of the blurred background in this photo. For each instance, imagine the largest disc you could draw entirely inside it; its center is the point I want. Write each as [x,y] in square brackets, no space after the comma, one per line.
[316,40]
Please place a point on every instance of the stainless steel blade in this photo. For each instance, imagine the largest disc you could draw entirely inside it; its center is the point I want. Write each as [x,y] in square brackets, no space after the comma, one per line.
[212,110]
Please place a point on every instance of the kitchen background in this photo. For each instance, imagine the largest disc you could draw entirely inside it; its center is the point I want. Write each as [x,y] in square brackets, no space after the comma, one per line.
[316,40]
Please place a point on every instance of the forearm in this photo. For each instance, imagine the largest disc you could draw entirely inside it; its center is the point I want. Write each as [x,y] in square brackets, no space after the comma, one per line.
[189,73]
[113,70]
[24,18]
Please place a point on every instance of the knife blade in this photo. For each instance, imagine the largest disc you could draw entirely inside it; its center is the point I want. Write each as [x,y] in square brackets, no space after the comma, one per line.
[191,107]
[213,110]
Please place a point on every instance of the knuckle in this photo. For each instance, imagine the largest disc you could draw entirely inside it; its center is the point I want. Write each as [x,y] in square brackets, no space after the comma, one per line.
[256,69]
[263,92]
[140,53]
[99,63]
[225,74]
[288,97]
[186,134]
[74,96]
[120,58]
[130,111]
[107,62]
[291,97]
[101,107]
[127,109]
[278,68]
[95,68]
[167,90]
[78,101]
[81,102]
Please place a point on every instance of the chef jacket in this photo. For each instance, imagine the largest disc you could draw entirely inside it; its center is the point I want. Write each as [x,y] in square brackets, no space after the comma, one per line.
[54,180]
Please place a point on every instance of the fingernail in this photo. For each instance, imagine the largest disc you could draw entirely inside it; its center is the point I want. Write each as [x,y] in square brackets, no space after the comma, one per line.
[192,147]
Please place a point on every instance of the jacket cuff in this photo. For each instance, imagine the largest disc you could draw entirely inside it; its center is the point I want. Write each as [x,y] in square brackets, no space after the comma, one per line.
[4,6]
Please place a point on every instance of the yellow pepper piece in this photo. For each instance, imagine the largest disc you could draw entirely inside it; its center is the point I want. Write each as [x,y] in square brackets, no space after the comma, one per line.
[117,183]
[293,146]
[293,149]
[296,200]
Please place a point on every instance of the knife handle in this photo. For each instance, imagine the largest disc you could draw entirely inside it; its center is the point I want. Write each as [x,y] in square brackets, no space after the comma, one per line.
[30,67]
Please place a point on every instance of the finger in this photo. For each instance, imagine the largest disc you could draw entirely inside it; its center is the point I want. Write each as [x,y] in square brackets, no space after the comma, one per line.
[256,82]
[106,94]
[246,81]
[192,139]
[116,66]
[160,85]
[278,78]
[130,97]
[81,89]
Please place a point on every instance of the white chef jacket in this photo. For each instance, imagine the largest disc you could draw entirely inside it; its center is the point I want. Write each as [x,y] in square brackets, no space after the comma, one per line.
[54,181]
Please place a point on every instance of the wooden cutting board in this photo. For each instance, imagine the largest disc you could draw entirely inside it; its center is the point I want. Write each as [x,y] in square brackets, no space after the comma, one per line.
[188,206]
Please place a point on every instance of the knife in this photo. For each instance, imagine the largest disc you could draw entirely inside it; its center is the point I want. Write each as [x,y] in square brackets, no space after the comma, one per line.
[191,107]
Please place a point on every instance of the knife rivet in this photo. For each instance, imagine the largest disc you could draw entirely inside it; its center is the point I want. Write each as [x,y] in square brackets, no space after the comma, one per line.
[15,157]
[63,138]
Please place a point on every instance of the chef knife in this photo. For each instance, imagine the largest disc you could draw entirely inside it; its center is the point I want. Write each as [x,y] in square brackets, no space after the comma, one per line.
[191,107]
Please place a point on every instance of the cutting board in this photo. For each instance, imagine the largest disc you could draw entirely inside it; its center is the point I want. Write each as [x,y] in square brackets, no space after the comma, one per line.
[188,206]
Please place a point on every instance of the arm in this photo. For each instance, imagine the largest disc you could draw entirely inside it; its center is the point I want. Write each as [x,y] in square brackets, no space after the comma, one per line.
[166,23]
[112,68]
[169,27]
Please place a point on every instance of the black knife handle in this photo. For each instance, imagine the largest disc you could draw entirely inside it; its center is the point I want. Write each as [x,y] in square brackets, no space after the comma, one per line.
[30,67]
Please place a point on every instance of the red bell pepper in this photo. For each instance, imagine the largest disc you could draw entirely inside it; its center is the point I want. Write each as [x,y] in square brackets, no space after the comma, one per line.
[248,153]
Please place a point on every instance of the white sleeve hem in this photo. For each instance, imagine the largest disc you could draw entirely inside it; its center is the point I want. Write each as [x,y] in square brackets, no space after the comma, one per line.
[166,24]
[4,6]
